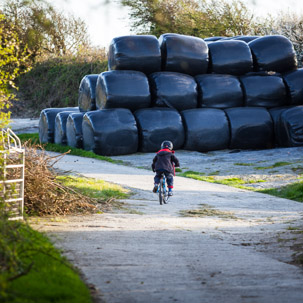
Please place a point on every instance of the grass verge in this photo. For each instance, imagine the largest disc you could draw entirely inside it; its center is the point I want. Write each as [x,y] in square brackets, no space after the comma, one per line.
[292,191]
[102,192]
[34,138]
[235,182]
[45,276]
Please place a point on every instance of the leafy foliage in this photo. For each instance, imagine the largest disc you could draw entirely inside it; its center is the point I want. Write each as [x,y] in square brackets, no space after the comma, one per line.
[200,18]
[55,82]
[45,30]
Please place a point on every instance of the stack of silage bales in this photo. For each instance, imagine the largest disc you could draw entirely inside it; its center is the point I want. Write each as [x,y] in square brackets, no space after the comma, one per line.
[243,92]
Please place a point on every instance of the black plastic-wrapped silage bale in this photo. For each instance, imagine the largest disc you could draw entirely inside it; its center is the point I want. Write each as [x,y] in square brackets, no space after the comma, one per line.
[275,113]
[47,122]
[141,53]
[231,57]
[74,130]
[87,93]
[213,39]
[60,128]
[250,128]
[122,89]
[219,91]
[206,129]
[110,132]
[184,54]
[156,125]
[273,53]
[174,90]
[294,85]
[291,127]
[264,91]
[246,39]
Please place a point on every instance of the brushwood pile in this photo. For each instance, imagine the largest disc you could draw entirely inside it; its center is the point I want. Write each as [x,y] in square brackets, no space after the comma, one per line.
[208,94]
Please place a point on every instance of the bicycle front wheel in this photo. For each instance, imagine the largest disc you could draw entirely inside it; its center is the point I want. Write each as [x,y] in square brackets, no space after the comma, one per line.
[161,192]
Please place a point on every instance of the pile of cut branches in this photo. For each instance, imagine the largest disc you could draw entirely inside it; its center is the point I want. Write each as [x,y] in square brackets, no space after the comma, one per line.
[44,194]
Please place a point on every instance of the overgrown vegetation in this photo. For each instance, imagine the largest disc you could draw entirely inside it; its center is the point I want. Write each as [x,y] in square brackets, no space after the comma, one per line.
[55,82]
[32,270]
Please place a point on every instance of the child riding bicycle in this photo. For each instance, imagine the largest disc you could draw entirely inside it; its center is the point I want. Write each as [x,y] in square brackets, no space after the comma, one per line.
[164,163]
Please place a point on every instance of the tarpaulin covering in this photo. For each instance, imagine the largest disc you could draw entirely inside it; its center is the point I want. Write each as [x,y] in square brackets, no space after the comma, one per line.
[250,128]
[294,85]
[219,91]
[273,53]
[74,130]
[230,57]
[60,128]
[47,122]
[141,53]
[110,132]
[122,89]
[87,93]
[174,90]
[291,127]
[264,91]
[156,125]
[184,54]
[205,129]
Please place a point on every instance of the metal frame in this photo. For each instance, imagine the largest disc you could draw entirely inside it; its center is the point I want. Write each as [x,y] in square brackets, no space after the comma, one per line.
[13,150]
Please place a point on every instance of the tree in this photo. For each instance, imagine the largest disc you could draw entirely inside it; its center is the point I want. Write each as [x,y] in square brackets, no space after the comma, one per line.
[13,61]
[45,31]
[200,18]
[290,25]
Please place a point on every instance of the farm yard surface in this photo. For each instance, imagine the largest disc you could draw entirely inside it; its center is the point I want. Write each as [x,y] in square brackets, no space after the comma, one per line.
[211,243]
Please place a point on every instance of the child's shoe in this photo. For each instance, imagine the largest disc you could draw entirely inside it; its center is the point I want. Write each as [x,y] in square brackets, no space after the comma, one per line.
[170,192]
[155,189]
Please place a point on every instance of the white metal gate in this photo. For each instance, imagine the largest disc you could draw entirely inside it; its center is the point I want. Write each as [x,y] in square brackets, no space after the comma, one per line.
[13,170]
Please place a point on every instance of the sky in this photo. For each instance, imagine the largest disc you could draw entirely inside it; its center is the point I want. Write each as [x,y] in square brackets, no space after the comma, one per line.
[107,21]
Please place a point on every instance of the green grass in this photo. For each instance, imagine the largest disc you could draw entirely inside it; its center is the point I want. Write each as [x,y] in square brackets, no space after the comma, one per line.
[93,188]
[34,138]
[277,164]
[292,191]
[235,182]
[51,278]
[244,164]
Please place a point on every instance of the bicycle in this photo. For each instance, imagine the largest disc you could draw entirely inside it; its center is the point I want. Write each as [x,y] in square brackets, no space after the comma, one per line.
[162,190]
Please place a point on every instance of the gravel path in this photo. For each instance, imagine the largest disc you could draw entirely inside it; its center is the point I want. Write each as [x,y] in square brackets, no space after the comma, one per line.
[242,251]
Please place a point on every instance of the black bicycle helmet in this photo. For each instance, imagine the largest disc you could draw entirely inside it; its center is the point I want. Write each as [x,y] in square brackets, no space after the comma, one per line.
[167,144]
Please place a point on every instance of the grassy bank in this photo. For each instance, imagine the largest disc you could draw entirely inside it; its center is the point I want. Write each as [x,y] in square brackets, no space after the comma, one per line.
[35,271]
